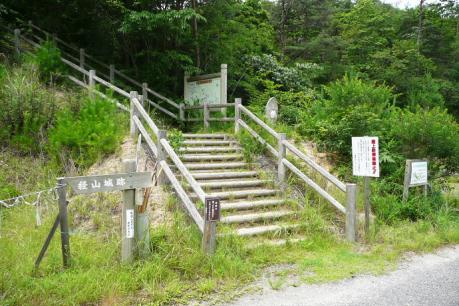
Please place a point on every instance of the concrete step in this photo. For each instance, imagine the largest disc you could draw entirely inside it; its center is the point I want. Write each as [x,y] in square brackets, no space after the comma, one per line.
[234,183]
[223,175]
[254,217]
[229,165]
[209,142]
[275,242]
[205,136]
[264,229]
[244,193]
[209,157]
[240,205]
[210,149]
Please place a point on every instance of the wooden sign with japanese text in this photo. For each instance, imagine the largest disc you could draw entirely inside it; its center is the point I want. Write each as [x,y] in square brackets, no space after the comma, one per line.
[109,182]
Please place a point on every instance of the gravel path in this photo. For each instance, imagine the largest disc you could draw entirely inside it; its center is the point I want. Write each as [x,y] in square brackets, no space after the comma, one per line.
[431,279]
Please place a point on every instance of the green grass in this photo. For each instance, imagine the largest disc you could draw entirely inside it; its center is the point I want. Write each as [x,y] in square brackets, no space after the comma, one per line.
[177,271]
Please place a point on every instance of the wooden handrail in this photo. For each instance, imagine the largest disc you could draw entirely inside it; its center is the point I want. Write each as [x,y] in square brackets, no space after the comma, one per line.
[259,121]
[194,213]
[111,86]
[167,112]
[145,116]
[258,137]
[314,186]
[160,96]
[315,166]
[145,135]
[183,170]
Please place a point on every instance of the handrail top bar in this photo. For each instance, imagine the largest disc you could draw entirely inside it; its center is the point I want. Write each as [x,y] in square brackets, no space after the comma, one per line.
[183,169]
[259,121]
[160,96]
[145,116]
[330,177]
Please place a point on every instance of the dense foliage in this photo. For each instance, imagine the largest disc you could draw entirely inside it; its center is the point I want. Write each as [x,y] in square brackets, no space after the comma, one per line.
[338,68]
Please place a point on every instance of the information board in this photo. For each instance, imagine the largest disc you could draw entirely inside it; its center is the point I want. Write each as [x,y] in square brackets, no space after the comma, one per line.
[418,173]
[203,91]
[365,156]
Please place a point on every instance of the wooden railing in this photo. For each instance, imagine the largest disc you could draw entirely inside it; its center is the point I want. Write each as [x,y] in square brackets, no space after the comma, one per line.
[108,76]
[156,141]
[280,153]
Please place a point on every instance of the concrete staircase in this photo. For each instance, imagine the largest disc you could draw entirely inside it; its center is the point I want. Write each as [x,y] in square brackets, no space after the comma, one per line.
[251,205]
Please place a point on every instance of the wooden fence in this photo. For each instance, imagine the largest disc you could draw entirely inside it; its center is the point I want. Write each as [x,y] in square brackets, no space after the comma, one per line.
[160,147]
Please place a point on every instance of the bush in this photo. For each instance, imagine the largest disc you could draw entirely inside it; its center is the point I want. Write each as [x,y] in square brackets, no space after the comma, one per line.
[27,109]
[426,133]
[85,136]
[48,60]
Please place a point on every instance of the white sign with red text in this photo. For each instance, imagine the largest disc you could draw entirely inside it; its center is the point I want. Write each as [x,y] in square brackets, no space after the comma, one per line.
[365,156]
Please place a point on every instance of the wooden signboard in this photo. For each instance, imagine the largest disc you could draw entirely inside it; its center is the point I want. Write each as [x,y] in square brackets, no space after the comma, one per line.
[416,174]
[109,182]
[207,88]
[212,209]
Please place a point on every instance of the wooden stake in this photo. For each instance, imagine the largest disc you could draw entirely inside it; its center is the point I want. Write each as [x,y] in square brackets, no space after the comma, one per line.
[63,220]
[128,217]
[351,215]
[366,191]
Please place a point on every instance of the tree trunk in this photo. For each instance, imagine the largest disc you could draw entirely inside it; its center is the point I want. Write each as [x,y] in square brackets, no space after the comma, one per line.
[195,35]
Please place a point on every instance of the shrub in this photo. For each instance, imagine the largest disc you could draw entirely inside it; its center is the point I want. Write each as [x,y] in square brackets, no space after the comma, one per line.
[27,108]
[48,60]
[85,136]
[426,133]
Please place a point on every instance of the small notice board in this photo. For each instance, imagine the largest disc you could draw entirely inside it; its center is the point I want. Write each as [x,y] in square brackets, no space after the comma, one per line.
[206,88]
[365,156]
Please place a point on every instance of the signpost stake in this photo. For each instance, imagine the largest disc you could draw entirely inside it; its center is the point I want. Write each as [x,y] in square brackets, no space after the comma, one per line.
[112,73]
[17,34]
[406,181]
[212,215]
[366,192]
[237,114]
[128,217]
[351,220]
[161,179]
[280,164]
[206,116]
[133,111]
[63,220]
[92,82]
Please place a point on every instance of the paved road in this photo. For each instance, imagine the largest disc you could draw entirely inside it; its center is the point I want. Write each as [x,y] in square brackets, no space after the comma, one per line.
[431,279]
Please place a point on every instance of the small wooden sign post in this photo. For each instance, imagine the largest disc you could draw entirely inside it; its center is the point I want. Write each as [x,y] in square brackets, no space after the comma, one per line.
[212,215]
[416,174]
[365,162]
[126,182]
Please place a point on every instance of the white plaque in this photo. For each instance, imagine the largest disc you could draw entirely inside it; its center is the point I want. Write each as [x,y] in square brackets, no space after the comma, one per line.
[204,91]
[129,223]
[365,156]
[418,173]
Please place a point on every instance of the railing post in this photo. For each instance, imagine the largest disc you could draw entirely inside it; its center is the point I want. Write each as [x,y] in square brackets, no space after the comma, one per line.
[182,112]
[206,116]
[82,58]
[128,217]
[145,91]
[112,73]
[237,114]
[351,214]
[30,24]
[17,34]
[223,86]
[63,220]
[92,82]
[211,217]
[162,134]
[281,156]
[133,111]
